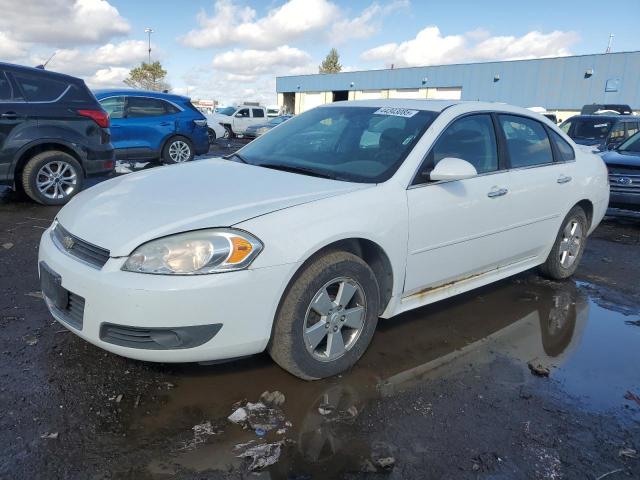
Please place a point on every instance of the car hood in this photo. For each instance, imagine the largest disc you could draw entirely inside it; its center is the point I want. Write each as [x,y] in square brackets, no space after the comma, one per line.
[616,158]
[122,213]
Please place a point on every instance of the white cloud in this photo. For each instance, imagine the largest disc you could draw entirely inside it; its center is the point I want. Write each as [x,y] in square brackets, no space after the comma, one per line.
[60,23]
[124,53]
[430,47]
[108,77]
[252,62]
[232,24]
[10,48]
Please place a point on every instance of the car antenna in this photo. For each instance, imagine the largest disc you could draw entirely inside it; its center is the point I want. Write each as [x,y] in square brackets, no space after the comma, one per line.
[44,65]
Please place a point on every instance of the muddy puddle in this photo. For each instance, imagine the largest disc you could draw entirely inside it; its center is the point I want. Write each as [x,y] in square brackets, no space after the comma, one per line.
[591,352]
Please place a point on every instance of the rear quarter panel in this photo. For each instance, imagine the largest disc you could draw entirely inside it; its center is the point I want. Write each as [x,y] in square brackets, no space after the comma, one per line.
[592,183]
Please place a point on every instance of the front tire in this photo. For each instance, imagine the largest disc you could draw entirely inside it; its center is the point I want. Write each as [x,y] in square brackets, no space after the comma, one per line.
[326,318]
[228,133]
[212,135]
[569,246]
[52,178]
[177,150]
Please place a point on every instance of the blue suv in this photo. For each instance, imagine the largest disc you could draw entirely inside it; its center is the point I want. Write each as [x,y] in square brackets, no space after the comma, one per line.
[152,126]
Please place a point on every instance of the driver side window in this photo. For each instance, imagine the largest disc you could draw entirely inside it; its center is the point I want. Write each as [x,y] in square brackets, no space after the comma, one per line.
[471,138]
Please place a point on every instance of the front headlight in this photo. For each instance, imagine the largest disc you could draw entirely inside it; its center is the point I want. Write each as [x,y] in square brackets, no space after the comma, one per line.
[195,253]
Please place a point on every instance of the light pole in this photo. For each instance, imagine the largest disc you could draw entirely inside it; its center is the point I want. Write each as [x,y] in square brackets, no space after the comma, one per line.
[149,31]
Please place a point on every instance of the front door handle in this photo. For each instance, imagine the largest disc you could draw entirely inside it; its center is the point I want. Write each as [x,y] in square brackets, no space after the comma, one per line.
[497,192]
[9,116]
[564,179]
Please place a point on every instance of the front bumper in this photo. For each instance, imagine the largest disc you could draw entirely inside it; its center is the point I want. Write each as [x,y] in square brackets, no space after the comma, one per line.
[244,302]
[624,200]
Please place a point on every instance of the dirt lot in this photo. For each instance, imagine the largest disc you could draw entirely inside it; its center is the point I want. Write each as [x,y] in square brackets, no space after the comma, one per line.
[443,392]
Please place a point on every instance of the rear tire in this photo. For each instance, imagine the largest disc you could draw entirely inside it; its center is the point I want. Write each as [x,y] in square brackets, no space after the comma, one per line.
[211,133]
[52,178]
[327,317]
[564,258]
[177,150]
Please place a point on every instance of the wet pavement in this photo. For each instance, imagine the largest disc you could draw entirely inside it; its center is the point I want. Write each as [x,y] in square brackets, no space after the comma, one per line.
[446,391]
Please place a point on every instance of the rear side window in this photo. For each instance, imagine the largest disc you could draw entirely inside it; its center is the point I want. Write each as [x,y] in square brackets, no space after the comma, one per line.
[6,91]
[138,107]
[617,132]
[40,88]
[470,138]
[527,141]
[566,151]
[632,128]
[114,106]
[258,113]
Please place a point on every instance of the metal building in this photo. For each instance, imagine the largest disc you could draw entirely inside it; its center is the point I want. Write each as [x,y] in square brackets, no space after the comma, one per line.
[561,85]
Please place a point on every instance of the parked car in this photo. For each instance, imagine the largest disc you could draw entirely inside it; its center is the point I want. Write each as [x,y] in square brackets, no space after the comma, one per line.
[603,132]
[624,174]
[53,134]
[154,126]
[395,204]
[236,120]
[261,128]
[596,108]
[214,129]
[273,111]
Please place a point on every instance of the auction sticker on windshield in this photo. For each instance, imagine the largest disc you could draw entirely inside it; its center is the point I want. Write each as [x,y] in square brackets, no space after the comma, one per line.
[397,112]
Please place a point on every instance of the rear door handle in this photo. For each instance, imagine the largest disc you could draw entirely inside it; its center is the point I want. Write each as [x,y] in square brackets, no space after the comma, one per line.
[9,115]
[497,192]
[564,179]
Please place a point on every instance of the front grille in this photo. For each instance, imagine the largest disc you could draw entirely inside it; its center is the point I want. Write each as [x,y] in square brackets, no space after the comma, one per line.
[624,183]
[76,247]
[73,314]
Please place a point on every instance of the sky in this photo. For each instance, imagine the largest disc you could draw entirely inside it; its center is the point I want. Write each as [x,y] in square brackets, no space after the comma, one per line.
[232,50]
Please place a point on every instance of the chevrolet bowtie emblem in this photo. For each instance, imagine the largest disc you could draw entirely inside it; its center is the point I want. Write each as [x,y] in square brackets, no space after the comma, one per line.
[68,242]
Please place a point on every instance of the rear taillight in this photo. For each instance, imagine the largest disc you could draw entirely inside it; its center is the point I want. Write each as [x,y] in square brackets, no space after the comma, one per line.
[99,116]
[200,123]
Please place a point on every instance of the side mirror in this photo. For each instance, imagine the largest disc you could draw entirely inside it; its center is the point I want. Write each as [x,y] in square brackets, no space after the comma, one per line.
[238,115]
[451,168]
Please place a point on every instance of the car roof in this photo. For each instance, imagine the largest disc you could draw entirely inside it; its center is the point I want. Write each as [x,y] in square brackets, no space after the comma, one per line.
[104,92]
[622,118]
[39,71]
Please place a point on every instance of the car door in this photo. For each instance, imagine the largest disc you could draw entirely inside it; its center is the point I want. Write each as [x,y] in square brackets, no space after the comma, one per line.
[540,181]
[457,229]
[148,122]
[257,116]
[115,107]
[10,118]
[241,120]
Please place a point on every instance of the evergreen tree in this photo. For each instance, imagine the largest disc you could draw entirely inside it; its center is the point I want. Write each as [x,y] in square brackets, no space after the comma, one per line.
[331,63]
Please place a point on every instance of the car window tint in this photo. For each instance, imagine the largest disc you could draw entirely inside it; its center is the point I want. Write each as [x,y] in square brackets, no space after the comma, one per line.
[632,128]
[566,151]
[40,89]
[243,113]
[114,106]
[527,141]
[258,113]
[470,138]
[146,107]
[6,91]
[617,132]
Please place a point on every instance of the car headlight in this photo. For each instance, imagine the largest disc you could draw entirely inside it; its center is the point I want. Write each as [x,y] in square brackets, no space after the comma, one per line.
[263,130]
[195,253]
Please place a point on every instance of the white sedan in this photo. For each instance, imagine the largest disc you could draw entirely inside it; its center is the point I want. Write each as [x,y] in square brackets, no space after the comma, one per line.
[214,128]
[298,243]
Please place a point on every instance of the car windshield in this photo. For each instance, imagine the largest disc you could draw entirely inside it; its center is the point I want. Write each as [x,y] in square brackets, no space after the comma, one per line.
[632,145]
[277,120]
[358,144]
[226,111]
[588,128]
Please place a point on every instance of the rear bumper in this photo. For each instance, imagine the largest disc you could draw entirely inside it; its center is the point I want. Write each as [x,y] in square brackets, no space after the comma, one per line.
[99,161]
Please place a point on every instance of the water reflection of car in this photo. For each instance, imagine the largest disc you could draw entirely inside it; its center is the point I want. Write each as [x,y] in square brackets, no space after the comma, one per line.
[624,175]
[603,132]
[261,128]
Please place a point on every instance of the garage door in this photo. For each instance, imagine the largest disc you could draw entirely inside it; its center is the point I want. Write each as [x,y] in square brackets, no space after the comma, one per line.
[405,93]
[370,94]
[447,93]
[311,100]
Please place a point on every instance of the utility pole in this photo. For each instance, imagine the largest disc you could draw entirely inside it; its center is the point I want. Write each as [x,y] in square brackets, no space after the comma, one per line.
[149,31]
[611,35]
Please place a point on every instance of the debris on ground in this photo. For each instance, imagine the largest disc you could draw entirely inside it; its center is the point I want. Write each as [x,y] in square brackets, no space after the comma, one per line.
[326,409]
[260,432]
[274,398]
[260,416]
[628,453]
[538,369]
[31,340]
[50,436]
[119,398]
[382,456]
[367,467]
[262,455]
[7,246]
[632,396]
[36,294]
[485,462]
[200,434]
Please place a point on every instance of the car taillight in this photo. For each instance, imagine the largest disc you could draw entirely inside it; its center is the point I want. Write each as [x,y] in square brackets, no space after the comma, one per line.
[200,123]
[99,116]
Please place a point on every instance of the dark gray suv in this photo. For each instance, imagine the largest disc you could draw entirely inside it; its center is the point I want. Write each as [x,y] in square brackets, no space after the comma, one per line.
[53,134]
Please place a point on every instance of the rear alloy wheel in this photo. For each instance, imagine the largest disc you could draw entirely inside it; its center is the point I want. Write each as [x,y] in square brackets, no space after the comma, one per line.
[327,317]
[178,150]
[52,178]
[568,247]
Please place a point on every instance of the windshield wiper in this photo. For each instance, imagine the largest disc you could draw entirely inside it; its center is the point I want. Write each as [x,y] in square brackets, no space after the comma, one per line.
[237,155]
[294,169]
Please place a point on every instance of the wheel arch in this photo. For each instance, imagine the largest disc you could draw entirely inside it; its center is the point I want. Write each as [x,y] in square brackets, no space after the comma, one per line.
[33,149]
[587,206]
